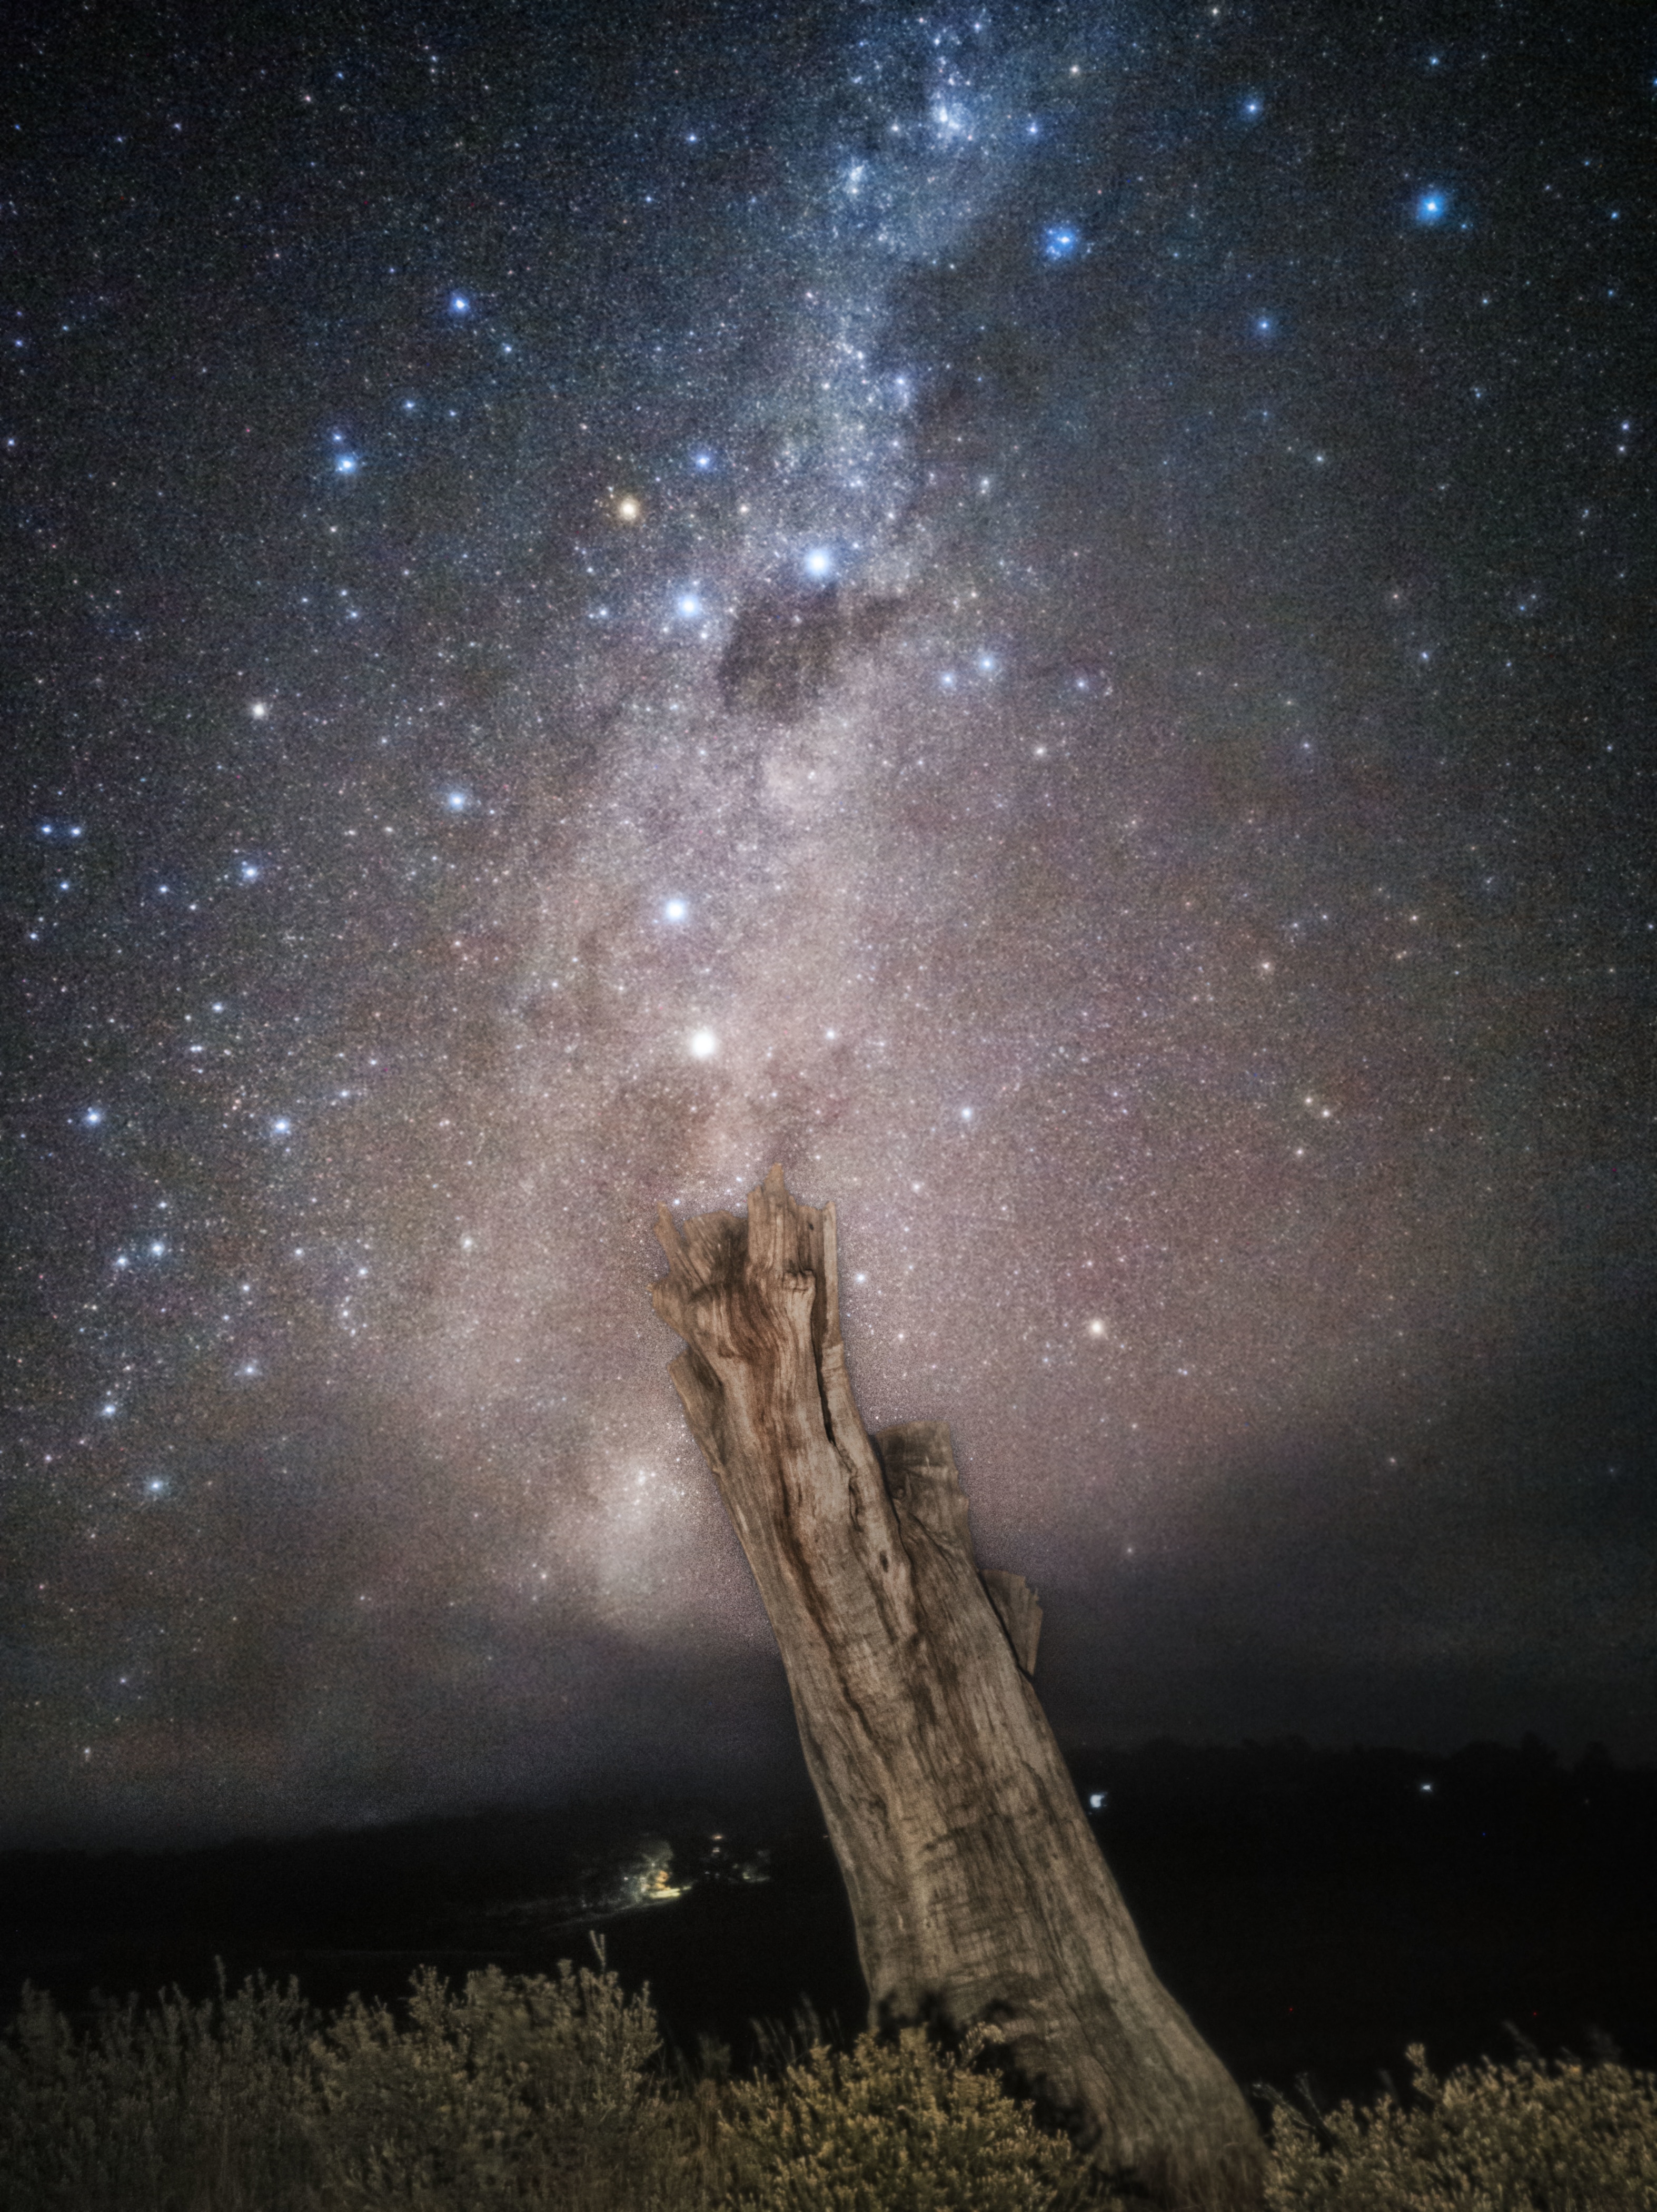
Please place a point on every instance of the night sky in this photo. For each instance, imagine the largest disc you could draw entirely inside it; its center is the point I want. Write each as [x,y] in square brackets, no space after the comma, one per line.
[1043,616]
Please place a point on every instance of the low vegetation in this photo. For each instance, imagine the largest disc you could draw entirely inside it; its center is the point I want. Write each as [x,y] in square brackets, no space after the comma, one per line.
[1529,2137]
[526,2091]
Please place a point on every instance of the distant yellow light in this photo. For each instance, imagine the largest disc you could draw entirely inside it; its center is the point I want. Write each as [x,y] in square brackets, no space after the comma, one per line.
[628,509]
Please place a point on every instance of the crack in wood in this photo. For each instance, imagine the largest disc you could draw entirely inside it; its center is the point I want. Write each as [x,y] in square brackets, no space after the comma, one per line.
[978,1888]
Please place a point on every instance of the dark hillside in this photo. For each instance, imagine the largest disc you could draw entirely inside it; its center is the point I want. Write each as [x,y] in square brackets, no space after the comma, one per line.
[1315,1910]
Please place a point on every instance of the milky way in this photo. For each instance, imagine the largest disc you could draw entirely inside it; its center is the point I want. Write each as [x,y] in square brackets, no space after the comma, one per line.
[1037,617]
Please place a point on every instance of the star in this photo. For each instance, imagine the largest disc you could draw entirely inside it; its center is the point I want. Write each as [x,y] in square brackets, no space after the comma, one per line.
[917,527]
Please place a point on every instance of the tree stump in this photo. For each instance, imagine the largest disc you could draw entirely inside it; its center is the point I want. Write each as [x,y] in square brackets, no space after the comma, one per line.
[979,1891]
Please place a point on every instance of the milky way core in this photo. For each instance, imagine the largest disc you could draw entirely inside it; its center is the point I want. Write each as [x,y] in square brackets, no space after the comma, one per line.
[985,607]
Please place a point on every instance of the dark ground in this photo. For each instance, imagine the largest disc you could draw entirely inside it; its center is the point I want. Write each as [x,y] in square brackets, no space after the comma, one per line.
[1314,1911]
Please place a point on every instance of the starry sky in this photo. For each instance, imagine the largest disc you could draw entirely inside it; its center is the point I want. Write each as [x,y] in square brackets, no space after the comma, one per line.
[1042,615]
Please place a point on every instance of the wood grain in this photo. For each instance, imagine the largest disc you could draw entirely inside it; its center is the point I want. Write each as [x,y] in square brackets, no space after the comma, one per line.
[978,1888]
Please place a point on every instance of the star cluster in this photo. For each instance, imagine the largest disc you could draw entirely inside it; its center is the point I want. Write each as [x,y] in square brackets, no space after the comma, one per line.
[1040,617]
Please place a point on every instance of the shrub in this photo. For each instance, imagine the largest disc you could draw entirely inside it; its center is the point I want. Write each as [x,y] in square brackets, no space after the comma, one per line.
[521,2090]
[547,2094]
[1530,2137]
[180,2106]
[891,2126]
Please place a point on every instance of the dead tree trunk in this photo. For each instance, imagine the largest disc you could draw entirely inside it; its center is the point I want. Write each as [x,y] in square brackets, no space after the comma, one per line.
[978,1889]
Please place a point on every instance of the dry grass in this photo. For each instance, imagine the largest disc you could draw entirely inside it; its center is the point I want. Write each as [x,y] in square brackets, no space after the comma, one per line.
[536,2092]
[1529,2137]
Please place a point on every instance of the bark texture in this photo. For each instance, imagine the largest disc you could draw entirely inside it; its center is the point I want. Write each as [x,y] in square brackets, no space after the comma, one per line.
[979,1891]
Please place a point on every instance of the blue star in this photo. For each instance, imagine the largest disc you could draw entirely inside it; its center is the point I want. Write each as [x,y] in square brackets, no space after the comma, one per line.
[1059,241]
[460,304]
[345,465]
[1433,206]
[1252,108]
[820,564]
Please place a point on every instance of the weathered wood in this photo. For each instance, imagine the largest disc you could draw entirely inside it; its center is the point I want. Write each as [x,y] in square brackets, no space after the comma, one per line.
[978,1889]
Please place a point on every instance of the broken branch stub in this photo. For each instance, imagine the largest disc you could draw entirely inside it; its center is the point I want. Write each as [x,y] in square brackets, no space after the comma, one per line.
[978,1889]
